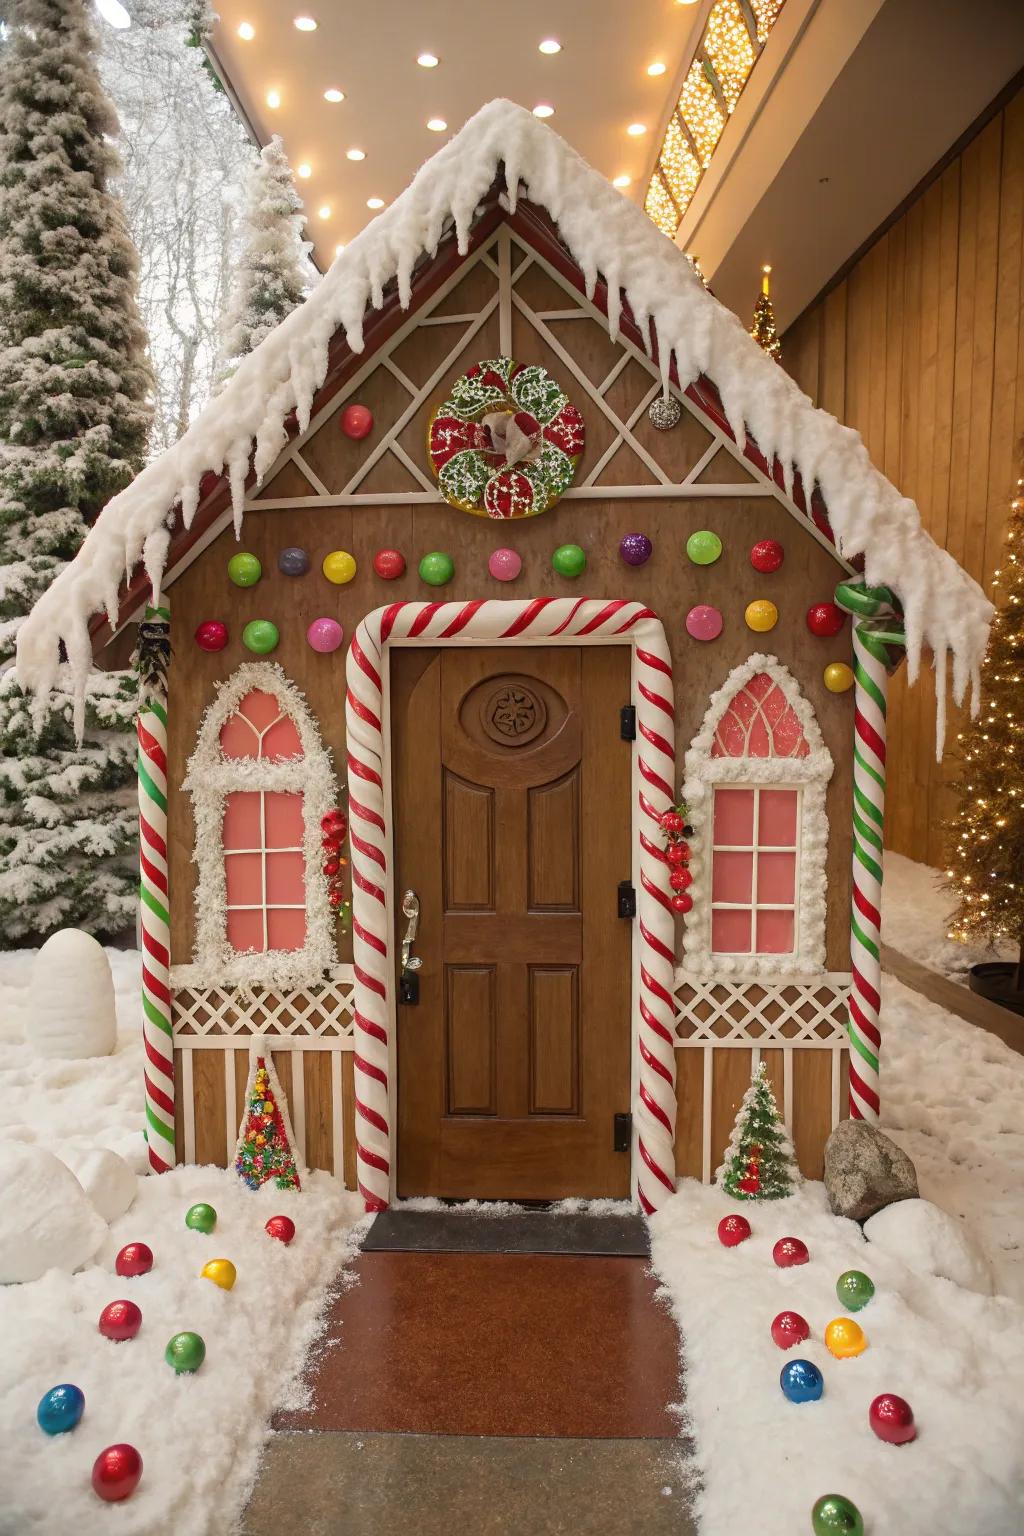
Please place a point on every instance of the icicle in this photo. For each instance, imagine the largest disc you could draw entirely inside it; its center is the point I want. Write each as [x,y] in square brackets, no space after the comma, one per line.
[940,702]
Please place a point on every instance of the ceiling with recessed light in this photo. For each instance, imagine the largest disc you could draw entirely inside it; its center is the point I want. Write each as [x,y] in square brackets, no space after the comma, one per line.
[364,96]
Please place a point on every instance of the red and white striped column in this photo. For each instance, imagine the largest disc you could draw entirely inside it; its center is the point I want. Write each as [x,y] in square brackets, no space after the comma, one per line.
[151,726]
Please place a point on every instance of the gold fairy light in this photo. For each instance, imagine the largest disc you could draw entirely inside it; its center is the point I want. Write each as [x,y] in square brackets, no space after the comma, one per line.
[729,48]
[659,207]
[679,166]
[699,110]
[766,13]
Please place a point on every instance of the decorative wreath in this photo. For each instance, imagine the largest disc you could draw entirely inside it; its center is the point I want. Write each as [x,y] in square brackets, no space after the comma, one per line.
[506,441]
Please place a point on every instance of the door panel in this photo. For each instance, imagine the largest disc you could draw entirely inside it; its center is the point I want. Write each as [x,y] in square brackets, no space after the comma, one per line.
[511,792]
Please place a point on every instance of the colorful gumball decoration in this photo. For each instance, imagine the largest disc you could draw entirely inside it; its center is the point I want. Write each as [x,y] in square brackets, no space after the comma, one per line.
[835,1515]
[260,636]
[635,548]
[854,1289]
[838,677]
[437,568]
[825,620]
[844,1338]
[703,547]
[733,1230]
[389,564]
[504,564]
[704,622]
[116,1473]
[185,1353]
[339,567]
[569,560]
[789,1251]
[201,1217]
[761,616]
[221,1271]
[282,1228]
[790,1328]
[212,635]
[60,1409]
[293,561]
[892,1419]
[801,1381]
[244,569]
[767,555]
[134,1259]
[325,635]
[357,422]
[120,1321]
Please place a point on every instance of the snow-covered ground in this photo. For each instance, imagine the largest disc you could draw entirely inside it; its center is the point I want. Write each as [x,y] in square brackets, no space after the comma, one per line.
[916,911]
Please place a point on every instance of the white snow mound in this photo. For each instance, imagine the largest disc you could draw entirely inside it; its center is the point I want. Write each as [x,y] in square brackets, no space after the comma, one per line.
[46,1219]
[930,1242]
[73,1015]
[106,1178]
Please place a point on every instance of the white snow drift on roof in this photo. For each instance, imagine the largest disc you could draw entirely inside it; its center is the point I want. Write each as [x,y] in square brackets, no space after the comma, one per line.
[608,236]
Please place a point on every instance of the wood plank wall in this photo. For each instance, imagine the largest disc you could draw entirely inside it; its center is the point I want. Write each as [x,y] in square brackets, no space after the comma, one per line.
[921,348]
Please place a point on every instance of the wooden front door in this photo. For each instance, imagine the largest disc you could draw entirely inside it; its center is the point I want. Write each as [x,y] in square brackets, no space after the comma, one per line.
[511,802]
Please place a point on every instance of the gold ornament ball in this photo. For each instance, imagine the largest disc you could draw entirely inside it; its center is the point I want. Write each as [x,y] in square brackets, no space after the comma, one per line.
[339,567]
[838,677]
[845,1338]
[761,615]
[221,1272]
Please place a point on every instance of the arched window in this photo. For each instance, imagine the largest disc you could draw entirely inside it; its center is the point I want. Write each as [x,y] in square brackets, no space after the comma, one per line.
[756,776]
[260,782]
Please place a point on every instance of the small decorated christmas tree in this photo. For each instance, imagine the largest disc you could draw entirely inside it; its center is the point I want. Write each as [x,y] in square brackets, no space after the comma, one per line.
[759,1162]
[265,1140]
[763,329]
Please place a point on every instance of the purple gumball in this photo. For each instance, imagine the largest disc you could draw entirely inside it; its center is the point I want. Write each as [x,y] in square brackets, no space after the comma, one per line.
[325,635]
[504,564]
[293,561]
[636,548]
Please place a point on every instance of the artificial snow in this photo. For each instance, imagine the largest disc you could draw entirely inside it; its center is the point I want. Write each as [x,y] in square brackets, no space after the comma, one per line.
[609,237]
[47,1221]
[73,1015]
[916,914]
[106,1178]
[930,1242]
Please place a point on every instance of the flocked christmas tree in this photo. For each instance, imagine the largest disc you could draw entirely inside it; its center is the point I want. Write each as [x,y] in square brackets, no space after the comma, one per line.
[265,1141]
[986,841]
[763,329]
[74,413]
[759,1162]
[273,272]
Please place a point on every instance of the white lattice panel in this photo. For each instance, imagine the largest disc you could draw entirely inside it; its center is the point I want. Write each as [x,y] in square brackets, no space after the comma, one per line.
[314,1017]
[762,1013]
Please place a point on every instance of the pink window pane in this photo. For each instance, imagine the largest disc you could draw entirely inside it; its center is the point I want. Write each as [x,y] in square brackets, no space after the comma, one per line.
[262,709]
[759,722]
[731,876]
[243,876]
[730,932]
[282,740]
[776,825]
[286,882]
[734,816]
[245,931]
[776,877]
[238,738]
[775,933]
[283,818]
[286,928]
[241,827]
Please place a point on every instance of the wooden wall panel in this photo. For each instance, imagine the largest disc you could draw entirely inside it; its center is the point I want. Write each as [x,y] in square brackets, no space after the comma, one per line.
[921,348]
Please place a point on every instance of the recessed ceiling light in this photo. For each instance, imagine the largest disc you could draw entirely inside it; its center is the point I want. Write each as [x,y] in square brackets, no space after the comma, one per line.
[622,181]
[339,248]
[333,94]
[428,60]
[375,202]
[542,109]
[436,124]
[274,99]
[113,13]
[549,45]
[305,23]
[304,170]
[657,68]
[324,210]
[355,154]
[686,2]
[246,31]
[636,129]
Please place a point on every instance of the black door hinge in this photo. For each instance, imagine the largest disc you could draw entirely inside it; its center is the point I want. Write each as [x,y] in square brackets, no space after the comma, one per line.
[409,988]
[622,1132]
[627,899]
[627,722]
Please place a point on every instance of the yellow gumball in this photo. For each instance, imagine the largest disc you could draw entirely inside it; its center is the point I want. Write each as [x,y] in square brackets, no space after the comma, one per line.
[339,566]
[220,1271]
[838,677]
[845,1338]
[761,615]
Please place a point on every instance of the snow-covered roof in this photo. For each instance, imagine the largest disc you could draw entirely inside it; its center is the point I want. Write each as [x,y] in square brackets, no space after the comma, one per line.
[609,237]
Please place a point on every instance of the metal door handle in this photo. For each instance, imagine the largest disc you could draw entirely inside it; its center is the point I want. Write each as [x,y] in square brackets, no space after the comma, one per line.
[411,911]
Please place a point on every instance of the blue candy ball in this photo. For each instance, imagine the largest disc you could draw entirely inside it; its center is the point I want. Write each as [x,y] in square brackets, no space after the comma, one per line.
[801,1381]
[60,1409]
[293,562]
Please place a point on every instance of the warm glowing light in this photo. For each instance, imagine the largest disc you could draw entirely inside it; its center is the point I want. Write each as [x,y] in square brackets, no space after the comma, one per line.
[305,170]
[728,48]
[622,181]
[543,109]
[339,248]
[324,211]
[656,69]
[375,202]
[428,61]
[114,14]
[333,94]
[246,31]
[355,154]
[699,110]
[549,45]
[660,208]
[273,100]
[636,129]
[436,124]
[305,23]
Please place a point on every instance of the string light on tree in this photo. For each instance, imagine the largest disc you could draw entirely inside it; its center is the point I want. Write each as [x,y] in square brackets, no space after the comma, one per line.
[763,329]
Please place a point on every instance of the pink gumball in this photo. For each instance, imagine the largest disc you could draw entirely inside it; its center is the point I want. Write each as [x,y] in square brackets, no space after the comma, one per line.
[325,635]
[504,564]
[704,622]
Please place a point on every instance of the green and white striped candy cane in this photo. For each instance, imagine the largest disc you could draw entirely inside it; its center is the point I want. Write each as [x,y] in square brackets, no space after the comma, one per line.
[153,889]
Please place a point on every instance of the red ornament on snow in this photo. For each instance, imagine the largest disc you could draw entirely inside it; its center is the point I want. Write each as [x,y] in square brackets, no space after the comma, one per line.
[680,878]
[116,1472]
[120,1320]
[892,1419]
[281,1227]
[790,1328]
[671,821]
[134,1259]
[212,635]
[389,564]
[767,555]
[789,1251]
[357,421]
[824,620]
[733,1230]
[682,902]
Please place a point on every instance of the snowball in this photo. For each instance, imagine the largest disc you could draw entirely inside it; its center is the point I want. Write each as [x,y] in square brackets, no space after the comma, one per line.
[106,1178]
[930,1242]
[73,997]
[46,1219]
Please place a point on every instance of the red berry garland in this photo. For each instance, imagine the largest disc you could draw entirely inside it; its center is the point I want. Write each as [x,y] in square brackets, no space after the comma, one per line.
[334,827]
[676,829]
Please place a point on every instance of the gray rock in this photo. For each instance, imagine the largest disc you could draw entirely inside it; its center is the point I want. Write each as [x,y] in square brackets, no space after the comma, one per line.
[865,1171]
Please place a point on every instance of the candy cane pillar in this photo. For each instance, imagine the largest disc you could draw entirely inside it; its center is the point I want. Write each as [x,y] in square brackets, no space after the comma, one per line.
[870,687]
[151,728]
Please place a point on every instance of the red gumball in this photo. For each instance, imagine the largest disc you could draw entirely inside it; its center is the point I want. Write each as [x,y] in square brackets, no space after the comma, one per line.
[824,620]
[892,1419]
[212,635]
[389,564]
[134,1259]
[357,421]
[790,1328]
[116,1472]
[120,1320]
[680,878]
[281,1227]
[789,1251]
[767,555]
[682,902]
[671,821]
[733,1230]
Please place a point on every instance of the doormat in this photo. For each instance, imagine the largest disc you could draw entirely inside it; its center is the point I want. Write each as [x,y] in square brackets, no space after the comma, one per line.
[459,1231]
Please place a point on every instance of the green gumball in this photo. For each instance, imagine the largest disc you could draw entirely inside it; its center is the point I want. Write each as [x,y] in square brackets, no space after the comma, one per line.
[185,1352]
[569,560]
[835,1515]
[260,636]
[201,1217]
[437,568]
[854,1290]
[244,570]
[703,547]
